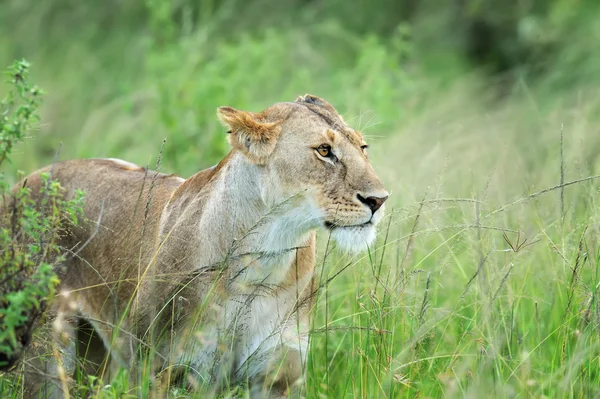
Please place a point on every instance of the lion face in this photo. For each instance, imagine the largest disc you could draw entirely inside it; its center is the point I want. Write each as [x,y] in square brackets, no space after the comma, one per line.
[308,151]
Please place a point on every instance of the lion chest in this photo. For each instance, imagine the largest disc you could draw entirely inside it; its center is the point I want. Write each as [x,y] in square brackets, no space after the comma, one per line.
[243,332]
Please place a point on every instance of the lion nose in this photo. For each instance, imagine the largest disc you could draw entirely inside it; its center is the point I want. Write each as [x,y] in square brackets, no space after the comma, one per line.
[374,203]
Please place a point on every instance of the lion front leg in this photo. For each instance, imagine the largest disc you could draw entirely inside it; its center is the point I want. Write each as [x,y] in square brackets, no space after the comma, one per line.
[283,375]
[277,368]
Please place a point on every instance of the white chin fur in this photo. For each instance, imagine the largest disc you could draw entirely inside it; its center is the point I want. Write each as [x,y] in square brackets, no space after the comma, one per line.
[354,239]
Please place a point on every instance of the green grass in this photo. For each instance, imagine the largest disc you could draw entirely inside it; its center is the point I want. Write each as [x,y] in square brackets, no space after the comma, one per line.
[452,301]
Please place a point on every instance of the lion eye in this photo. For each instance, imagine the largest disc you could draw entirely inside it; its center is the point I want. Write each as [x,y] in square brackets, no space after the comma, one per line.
[324,150]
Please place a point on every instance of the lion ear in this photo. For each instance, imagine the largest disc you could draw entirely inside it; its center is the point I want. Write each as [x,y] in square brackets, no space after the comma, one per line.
[250,133]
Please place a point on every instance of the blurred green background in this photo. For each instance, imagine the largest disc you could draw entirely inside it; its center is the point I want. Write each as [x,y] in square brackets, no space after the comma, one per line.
[123,75]
[468,106]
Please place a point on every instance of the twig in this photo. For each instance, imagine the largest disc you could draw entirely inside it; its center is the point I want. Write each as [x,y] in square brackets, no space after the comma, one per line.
[538,193]
[562,174]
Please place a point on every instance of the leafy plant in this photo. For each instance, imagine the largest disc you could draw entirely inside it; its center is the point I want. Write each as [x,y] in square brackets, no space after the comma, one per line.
[29,230]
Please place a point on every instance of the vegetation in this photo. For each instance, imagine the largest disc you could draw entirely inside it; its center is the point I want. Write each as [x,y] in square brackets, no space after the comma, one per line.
[29,253]
[482,120]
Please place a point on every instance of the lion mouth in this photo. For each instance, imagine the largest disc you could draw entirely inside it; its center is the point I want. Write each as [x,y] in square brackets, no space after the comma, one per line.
[331,225]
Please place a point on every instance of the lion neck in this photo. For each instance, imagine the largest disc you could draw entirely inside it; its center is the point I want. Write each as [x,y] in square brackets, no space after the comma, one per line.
[258,228]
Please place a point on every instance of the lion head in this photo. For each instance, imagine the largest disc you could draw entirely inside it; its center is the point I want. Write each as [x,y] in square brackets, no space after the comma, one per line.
[307,149]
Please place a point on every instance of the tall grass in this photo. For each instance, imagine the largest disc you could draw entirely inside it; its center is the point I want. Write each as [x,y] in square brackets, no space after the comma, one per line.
[484,281]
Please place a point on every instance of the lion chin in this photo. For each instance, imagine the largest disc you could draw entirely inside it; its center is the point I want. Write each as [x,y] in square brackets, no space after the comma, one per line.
[354,239]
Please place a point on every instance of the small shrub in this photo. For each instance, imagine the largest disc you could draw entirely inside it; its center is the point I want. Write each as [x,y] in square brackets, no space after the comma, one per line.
[29,231]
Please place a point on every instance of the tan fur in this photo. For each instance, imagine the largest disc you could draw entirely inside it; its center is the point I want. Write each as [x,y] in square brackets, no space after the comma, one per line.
[214,273]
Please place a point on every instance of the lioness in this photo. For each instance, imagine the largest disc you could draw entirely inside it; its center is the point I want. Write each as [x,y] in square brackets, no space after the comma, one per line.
[210,278]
